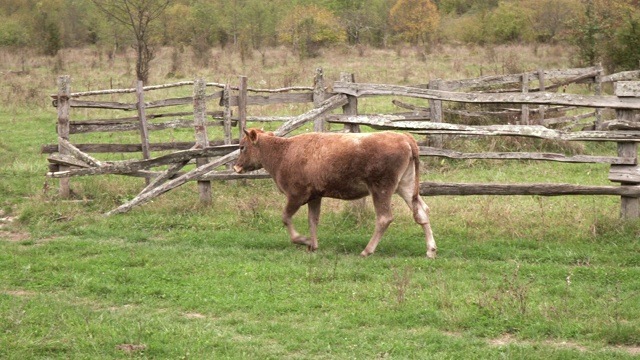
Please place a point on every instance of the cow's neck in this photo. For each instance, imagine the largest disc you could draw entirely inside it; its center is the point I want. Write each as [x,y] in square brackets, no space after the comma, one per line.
[272,149]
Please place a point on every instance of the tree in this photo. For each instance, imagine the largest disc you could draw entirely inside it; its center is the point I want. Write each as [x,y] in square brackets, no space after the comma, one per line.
[548,18]
[139,16]
[307,28]
[416,20]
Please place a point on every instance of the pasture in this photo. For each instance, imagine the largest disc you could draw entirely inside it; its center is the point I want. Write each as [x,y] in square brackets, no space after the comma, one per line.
[523,277]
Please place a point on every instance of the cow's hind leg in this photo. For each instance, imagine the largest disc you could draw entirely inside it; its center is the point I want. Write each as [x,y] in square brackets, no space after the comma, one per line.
[407,190]
[384,217]
[314,217]
[289,210]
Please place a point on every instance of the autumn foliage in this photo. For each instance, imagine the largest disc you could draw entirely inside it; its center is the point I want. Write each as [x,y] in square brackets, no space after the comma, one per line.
[416,20]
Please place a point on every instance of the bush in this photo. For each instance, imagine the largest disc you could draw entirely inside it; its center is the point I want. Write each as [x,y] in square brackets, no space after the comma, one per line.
[623,52]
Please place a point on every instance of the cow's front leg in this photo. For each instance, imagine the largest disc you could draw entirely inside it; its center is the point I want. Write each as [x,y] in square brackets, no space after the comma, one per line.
[314,217]
[289,210]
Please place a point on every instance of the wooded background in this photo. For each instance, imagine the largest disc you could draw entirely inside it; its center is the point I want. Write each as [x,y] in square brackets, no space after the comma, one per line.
[606,31]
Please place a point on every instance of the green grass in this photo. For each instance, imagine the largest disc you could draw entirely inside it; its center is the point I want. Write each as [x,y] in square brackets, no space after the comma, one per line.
[516,277]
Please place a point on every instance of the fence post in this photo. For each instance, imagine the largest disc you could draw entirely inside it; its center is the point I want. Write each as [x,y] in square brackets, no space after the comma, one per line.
[142,120]
[202,140]
[318,98]
[524,116]
[598,81]
[242,105]
[64,90]
[627,175]
[225,101]
[351,108]
[436,115]
[541,109]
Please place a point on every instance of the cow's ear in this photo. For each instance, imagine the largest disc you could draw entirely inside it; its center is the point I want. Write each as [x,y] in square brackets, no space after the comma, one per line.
[253,135]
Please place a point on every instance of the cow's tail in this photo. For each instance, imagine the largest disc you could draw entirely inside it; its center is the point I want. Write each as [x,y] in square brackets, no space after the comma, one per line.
[415,157]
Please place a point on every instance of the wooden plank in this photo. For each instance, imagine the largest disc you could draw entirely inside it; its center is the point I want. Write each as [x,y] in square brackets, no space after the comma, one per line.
[622,76]
[112,105]
[383,122]
[232,175]
[128,166]
[173,124]
[390,119]
[128,148]
[625,174]
[450,154]
[277,98]
[72,150]
[462,189]
[66,160]
[541,98]
[128,120]
[627,88]
[501,80]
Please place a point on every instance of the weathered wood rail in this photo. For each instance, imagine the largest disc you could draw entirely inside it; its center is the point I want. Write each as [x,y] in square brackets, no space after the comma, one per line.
[70,160]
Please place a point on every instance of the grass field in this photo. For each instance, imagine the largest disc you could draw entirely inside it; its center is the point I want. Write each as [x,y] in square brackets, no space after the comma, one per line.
[516,277]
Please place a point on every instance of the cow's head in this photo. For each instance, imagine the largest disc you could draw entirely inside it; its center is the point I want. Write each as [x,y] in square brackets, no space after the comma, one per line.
[250,158]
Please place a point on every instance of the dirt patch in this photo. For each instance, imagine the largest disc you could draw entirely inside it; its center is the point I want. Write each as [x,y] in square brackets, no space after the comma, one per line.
[508,339]
[633,350]
[20,293]
[194,316]
[131,348]
[14,236]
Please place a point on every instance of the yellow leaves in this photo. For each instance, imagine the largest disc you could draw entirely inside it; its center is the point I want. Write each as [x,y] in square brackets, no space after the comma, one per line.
[416,20]
[310,23]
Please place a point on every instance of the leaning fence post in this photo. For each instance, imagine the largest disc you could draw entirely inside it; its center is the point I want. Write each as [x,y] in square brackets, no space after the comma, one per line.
[627,175]
[318,98]
[64,90]
[202,140]
[142,120]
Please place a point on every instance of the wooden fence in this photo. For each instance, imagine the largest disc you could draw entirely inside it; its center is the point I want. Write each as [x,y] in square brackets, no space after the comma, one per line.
[540,95]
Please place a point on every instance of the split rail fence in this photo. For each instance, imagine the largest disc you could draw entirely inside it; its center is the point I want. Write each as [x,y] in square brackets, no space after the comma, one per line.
[532,104]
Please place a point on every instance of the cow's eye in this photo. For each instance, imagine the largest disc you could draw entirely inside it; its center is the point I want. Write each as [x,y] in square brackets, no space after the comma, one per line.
[241,148]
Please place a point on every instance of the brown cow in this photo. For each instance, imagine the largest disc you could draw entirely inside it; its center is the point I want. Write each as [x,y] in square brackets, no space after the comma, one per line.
[311,166]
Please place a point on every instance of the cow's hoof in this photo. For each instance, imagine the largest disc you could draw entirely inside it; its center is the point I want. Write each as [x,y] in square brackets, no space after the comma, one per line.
[311,248]
[431,254]
[365,253]
[301,240]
